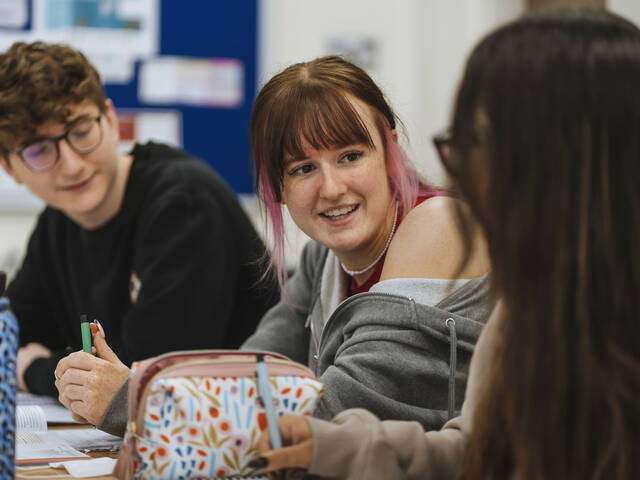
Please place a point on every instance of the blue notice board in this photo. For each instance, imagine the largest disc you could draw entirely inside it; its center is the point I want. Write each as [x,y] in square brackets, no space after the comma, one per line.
[208,29]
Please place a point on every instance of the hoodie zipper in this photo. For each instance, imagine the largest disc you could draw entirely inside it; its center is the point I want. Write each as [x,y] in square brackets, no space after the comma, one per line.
[342,306]
[449,322]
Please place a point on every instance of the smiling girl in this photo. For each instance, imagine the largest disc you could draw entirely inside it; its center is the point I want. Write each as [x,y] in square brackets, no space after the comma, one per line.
[326,148]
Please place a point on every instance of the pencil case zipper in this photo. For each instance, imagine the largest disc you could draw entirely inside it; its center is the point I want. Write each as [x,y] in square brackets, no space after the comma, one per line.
[278,365]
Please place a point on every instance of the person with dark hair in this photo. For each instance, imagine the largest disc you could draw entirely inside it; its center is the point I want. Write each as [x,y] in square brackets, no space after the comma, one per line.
[152,243]
[545,146]
[325,146]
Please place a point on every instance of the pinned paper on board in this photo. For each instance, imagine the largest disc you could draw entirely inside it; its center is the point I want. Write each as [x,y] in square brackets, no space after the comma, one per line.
[205,82]
[92,14]
[141,126]
[13,13]
[114,34]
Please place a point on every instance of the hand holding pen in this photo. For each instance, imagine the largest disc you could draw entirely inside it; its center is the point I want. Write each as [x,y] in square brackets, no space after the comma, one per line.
[296,454]
[264,390]
[86,383]
[270,442]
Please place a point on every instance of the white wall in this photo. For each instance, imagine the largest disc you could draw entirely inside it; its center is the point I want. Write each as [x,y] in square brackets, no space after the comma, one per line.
[14,231]
[627,8]
[422,47]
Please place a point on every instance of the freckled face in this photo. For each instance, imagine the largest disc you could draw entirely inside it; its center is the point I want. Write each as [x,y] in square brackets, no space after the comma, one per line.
[341,197]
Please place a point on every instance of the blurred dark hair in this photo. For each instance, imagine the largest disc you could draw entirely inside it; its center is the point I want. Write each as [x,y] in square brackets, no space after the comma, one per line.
[546,131]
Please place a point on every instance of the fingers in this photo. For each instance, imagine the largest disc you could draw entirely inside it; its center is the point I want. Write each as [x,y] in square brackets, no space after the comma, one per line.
[296,433]
[78,418]
[73,376]
[296,456]
[100,343]
[84,402]
[98,325]
[264,444]
[72,393]
[81,411]
[65,398]
[288,426]
[80,360]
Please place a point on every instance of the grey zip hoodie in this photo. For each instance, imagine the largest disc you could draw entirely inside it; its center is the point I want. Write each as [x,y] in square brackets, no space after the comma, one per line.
[387,353]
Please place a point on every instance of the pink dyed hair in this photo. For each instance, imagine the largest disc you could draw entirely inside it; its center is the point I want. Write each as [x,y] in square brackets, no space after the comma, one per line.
[308,104]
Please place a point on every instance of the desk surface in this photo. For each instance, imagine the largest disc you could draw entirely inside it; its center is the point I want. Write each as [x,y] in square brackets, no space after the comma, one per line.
[62,473]
[39,472]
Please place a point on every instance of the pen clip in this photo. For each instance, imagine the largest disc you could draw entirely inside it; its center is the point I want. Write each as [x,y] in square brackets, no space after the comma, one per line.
[264,390]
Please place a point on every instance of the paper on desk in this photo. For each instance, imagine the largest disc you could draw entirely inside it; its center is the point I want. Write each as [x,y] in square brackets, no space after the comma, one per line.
[33,447]
[34,444]
[54,411]
[85,439]
[88,468]
[30,418]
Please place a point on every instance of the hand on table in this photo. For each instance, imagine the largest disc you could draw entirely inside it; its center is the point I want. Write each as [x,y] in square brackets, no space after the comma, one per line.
[298,446]
[26,355]
[87,383]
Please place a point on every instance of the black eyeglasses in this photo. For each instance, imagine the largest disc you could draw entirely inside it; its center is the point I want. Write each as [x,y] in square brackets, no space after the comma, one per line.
[83,136]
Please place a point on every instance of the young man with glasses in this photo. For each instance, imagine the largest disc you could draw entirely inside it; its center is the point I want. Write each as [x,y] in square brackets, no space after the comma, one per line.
[151,243]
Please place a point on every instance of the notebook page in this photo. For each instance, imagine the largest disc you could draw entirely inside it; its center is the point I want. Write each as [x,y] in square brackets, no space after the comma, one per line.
[30,418]
[53,410]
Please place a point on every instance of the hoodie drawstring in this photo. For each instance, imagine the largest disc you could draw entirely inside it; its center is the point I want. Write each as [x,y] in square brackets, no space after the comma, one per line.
[453,357]
[453,343]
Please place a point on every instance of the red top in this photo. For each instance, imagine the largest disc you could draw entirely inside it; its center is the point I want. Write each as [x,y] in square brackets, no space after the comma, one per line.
[425,193]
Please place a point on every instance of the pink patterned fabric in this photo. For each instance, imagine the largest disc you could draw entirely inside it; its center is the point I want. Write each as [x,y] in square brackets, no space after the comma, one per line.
[207,427]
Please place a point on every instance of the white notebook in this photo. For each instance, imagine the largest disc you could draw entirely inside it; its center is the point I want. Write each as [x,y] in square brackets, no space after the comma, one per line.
[53,410]
[36,444]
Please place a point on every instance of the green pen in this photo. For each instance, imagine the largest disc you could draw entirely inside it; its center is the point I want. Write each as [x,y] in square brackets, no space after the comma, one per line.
[86,333]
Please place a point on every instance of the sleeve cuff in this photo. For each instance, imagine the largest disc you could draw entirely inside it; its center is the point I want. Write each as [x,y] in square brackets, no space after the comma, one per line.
[114,420]
[38,377]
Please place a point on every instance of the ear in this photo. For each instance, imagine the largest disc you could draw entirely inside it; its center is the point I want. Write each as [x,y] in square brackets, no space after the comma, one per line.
[112,118]
[394,134]
[6,165]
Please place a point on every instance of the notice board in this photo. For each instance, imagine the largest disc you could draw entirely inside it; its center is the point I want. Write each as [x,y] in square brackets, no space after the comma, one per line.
[177,71]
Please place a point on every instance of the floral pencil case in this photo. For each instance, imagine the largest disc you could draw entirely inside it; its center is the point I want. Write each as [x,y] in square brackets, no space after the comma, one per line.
[199,414]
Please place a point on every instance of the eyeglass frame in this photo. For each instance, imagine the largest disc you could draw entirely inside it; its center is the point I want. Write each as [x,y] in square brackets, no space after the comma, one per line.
[443,142]
[64,136]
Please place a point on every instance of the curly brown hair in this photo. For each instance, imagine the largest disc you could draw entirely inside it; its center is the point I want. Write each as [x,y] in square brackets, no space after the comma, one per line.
[38,82]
